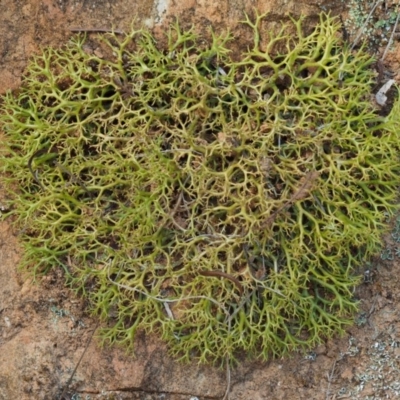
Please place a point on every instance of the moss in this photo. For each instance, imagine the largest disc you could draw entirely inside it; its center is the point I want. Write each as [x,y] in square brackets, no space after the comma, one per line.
[222,204]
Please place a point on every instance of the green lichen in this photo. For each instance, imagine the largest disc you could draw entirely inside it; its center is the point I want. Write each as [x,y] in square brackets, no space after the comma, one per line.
[221,204]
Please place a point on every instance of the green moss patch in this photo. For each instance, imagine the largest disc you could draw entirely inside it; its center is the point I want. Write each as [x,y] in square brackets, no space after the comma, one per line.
[221,204]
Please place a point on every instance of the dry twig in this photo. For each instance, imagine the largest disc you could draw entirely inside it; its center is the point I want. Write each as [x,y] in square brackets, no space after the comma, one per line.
[97,30]
[330,378]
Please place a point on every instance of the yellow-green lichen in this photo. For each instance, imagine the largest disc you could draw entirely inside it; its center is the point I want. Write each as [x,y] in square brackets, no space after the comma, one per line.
[222,204]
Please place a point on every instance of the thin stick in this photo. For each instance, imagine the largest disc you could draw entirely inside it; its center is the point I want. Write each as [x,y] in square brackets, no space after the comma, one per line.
[361,30]
[97,30]
[221,274]
[307,183]
[77,365]
[228,380]
[174,210]
[392,35]
[330,377]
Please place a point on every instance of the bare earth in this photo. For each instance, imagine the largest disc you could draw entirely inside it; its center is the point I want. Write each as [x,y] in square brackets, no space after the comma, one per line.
[44,329]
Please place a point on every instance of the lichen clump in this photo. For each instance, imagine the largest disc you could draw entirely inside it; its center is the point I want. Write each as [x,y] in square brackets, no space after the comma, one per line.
[222,204]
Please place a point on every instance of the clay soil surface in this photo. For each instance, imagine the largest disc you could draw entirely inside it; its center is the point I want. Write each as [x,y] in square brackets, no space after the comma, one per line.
[44,329]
